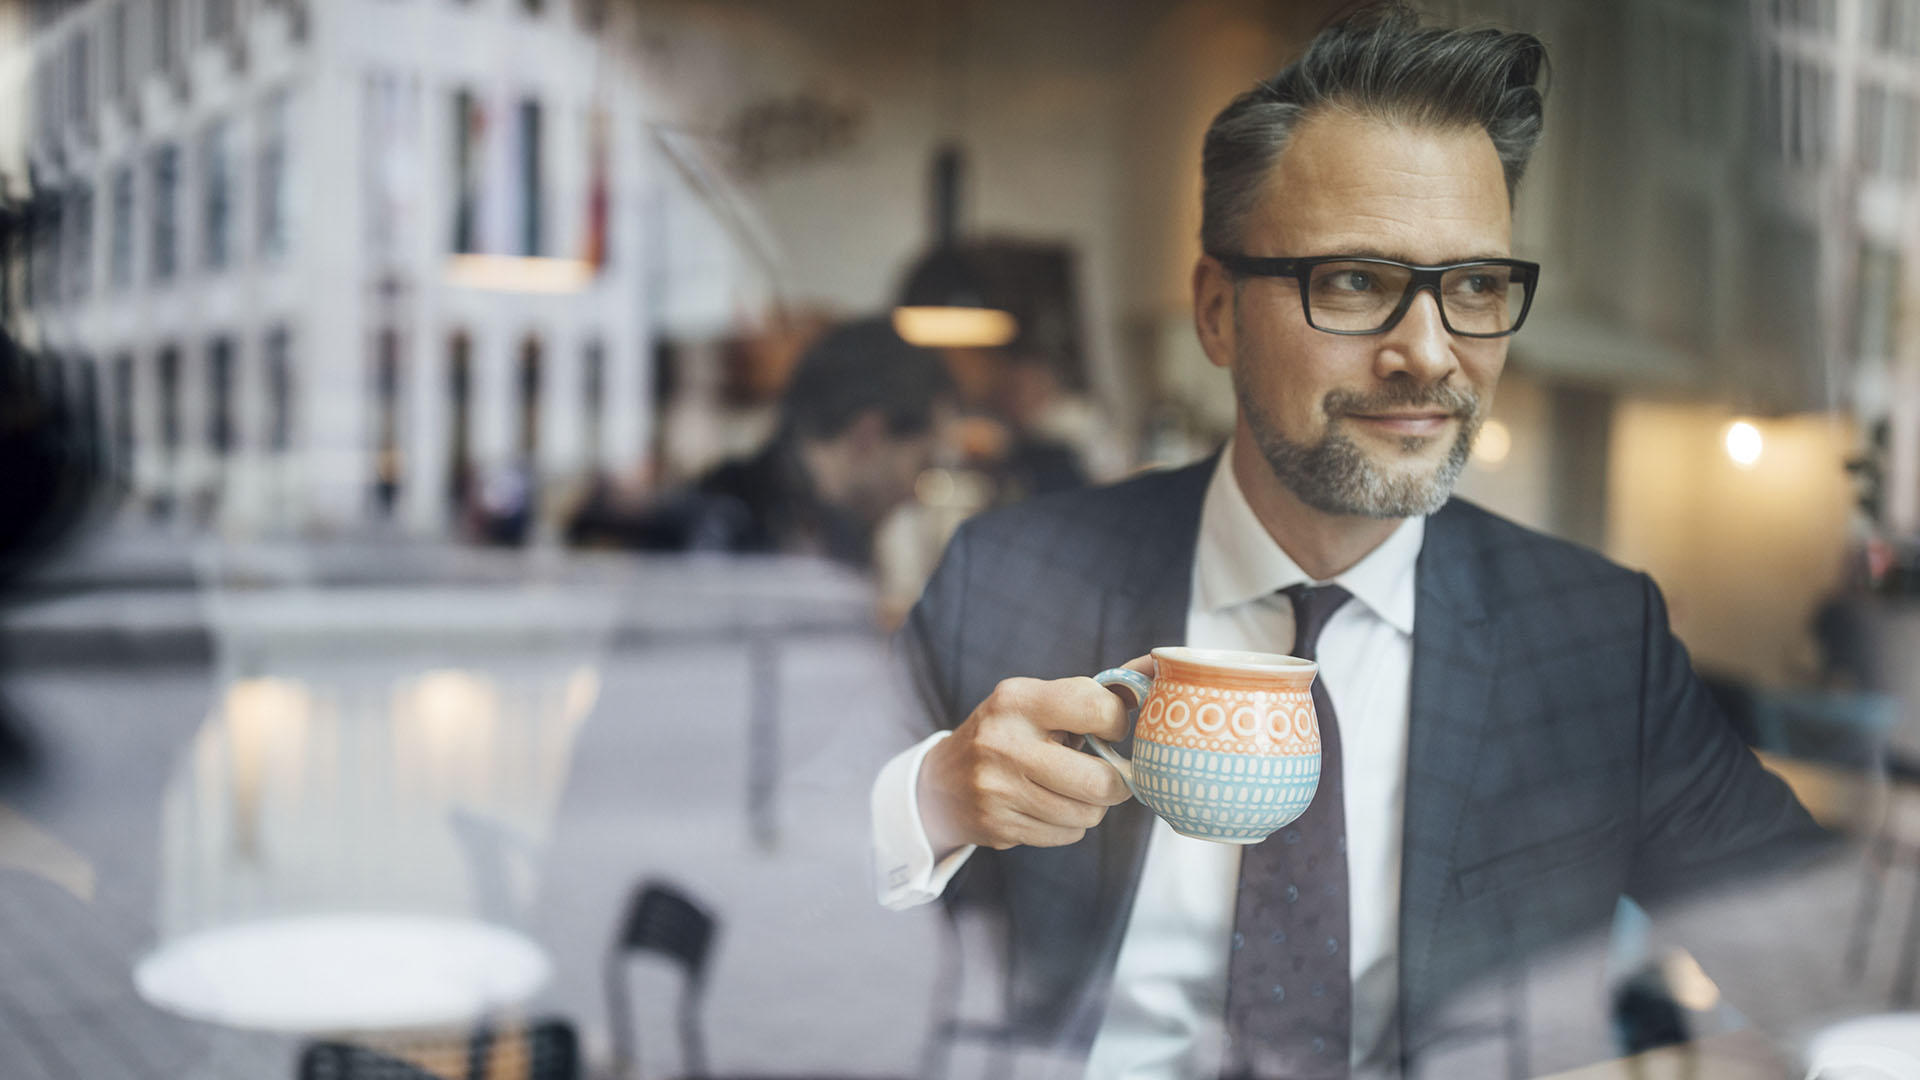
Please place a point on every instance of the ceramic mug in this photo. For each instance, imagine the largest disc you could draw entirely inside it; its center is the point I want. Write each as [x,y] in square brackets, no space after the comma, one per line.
[1226,745]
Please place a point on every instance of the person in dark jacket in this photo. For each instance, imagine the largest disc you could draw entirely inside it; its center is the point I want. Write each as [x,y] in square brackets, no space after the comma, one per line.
[858,424]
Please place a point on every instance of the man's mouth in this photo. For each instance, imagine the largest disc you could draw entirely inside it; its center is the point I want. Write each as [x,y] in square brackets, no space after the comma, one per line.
[1405,424]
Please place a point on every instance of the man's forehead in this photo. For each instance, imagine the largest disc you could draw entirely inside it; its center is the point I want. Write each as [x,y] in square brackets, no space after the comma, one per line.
[1358,184]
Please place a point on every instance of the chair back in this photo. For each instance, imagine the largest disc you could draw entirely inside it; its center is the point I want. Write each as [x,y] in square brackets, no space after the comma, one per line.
[662,919]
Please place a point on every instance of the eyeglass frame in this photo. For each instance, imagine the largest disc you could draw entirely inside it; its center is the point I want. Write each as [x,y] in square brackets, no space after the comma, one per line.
[1424,277]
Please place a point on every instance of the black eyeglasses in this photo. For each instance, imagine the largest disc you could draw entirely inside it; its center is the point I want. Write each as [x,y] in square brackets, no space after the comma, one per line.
[1352,294]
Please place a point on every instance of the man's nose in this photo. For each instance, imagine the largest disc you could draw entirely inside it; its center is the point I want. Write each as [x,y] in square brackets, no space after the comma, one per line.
[1419,344]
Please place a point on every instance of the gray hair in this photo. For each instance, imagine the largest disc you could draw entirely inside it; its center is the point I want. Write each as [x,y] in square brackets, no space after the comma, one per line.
[1379,62]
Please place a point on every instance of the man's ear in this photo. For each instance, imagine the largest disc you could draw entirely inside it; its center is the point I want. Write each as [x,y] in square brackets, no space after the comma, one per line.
[1213,300]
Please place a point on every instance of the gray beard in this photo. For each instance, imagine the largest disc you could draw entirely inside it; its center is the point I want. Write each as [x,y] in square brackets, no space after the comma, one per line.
[1335,476]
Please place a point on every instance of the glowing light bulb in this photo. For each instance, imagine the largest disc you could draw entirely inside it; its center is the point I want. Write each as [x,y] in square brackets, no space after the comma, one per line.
[1493,445]
[1744,443]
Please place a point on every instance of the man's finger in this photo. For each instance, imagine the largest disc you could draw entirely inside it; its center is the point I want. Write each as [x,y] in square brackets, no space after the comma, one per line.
[1020,828]
[1078,775]
[1052,808]
[1082,707]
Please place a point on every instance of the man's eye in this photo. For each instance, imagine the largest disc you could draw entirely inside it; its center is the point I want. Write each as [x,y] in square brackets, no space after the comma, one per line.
[1352,281]
[1478,283]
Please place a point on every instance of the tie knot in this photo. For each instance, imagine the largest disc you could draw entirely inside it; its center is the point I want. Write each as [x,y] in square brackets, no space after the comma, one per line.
[1313,605]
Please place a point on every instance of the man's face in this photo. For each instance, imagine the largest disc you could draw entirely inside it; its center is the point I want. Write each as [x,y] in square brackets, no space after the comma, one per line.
[1376,425]
[886,468]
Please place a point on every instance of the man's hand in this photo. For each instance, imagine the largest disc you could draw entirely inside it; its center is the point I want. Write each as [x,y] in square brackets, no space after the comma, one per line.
[1011,774]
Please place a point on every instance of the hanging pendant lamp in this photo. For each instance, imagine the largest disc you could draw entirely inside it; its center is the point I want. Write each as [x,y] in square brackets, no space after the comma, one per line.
[947,300]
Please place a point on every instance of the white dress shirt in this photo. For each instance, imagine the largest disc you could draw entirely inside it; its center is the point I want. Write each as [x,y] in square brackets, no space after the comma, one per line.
[1169,992]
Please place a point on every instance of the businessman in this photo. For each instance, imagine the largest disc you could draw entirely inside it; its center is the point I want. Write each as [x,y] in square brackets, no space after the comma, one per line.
[1514,737]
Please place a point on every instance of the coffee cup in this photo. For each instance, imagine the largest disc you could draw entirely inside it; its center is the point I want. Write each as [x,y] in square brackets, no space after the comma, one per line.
[1226,745]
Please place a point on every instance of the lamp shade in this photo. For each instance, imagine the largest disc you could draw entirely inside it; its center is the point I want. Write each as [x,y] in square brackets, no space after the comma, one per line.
[946,304]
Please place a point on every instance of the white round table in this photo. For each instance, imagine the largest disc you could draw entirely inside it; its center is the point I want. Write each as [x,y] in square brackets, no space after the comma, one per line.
[344,972]
[1883,1047]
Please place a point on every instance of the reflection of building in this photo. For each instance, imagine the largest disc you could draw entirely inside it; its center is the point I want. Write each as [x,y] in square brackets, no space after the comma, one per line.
[332,263]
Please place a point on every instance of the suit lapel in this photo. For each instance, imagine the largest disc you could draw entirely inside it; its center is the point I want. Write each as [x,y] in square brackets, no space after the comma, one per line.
[1454,656]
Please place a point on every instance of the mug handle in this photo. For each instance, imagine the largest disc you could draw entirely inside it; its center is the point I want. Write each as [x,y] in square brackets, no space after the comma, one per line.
[1139,686]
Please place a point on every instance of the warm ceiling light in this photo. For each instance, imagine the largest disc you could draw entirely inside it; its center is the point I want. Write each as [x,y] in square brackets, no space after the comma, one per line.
[1744,443]
[519,273]
[955,327]
[1490,450]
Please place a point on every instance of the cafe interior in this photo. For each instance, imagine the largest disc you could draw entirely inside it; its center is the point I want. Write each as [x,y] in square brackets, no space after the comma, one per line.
[367,710]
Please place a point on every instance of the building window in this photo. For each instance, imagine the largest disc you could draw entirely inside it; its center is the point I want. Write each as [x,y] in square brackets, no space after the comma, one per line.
[531,200]
[1885,143]
[216,19]
[79,243]
[498,197]
[119,78]
[216,170]
[276,198]
[80,83]
[220,430]
[120,257]
[460,420]
[44,268]
[469,123]
[1877,296]
[593,364]
[530,364]
[123,429]
[387,455]
[165,187]
[279,364]
[166,47]
[169,380]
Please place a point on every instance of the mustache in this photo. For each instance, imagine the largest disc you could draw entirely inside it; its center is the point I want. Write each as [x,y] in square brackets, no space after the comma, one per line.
[1446,397]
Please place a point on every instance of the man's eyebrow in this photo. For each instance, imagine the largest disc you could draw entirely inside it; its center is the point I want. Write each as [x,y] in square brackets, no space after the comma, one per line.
[1403,257]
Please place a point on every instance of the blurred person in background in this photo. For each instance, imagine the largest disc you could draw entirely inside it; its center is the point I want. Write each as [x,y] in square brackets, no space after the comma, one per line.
[50,467]
[859,421]
[1520,738]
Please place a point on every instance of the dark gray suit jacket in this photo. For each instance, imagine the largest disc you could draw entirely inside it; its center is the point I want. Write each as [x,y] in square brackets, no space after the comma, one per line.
[1562,753]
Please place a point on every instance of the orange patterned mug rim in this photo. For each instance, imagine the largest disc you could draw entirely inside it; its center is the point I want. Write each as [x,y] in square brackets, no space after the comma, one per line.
[1235,660]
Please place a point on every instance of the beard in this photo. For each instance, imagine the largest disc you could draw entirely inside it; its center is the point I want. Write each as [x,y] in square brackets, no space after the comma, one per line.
[1336,476]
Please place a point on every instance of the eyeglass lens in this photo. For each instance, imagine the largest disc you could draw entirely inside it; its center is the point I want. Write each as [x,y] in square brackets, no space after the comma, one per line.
[1362,296]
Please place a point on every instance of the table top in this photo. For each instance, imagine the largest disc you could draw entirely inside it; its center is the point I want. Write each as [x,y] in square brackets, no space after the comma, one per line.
[1736,1055]
[343,972]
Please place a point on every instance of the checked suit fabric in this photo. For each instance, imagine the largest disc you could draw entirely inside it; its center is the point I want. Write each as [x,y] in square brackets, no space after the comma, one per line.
[1289,990]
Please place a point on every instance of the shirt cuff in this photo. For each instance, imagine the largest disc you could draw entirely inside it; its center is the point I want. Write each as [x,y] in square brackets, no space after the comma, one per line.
[906,873]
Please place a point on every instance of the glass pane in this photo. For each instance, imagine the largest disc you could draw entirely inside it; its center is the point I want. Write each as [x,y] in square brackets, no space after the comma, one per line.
[1354,295]
[1482,299]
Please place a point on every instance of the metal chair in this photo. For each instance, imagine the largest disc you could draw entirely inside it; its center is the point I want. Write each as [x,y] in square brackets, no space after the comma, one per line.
[661,919]
[544,1050]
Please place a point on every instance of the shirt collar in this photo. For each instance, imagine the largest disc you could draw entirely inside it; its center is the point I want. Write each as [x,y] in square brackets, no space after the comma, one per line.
[1238,561]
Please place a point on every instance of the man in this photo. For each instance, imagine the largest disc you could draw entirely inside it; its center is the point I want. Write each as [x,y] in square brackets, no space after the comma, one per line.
[858,424]
[1514,737]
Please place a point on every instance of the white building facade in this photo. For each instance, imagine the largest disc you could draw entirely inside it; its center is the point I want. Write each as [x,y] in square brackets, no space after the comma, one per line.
[340,266]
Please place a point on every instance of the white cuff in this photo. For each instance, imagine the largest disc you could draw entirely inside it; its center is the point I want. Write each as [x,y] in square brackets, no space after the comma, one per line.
[906,875]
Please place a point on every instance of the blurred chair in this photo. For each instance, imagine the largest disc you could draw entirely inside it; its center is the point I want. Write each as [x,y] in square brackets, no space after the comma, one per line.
[543,1050]
[663,919]
[660,919]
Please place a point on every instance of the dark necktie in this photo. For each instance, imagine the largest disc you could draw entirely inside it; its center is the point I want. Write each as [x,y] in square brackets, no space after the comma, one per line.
[1289,992]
